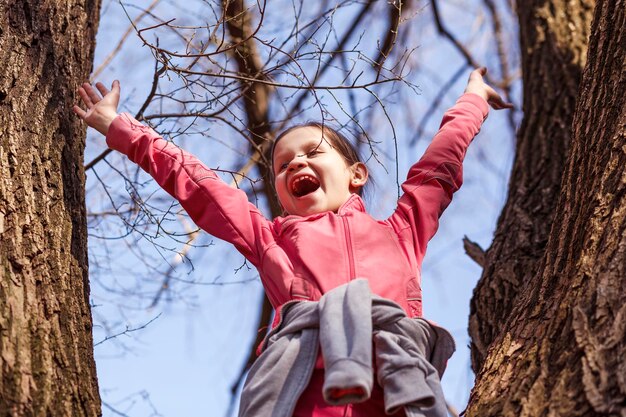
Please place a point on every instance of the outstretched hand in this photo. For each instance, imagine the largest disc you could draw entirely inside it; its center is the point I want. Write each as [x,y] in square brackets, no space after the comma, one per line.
[477,85]
[101,108]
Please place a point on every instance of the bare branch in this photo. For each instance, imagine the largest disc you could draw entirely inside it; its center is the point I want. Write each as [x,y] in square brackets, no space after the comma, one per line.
[474,251]
[127,331]
[459,46]
[395,11]
[138,115]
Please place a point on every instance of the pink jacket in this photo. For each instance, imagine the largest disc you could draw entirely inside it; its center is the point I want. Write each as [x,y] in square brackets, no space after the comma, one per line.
[304,257]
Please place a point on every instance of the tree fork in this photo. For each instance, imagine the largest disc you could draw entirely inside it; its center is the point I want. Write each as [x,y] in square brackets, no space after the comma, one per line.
[46,346]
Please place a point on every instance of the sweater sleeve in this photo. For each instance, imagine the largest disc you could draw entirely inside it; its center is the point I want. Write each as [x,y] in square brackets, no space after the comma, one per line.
[431,181]
[214,206]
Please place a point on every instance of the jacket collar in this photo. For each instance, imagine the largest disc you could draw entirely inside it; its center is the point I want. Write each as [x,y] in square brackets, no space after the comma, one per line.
[353,203]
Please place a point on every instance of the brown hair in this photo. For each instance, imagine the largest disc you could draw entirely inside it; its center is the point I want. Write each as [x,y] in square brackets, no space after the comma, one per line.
[337,139]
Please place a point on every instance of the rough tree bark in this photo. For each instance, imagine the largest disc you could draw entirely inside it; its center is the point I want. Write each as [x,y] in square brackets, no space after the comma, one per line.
[561,353]
[46,347]
[554,36]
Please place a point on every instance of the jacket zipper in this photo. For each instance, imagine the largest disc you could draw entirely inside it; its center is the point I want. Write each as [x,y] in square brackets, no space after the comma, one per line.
[346,228]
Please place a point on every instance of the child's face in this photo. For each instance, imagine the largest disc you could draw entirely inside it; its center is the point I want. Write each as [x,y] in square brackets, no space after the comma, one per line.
[311,176]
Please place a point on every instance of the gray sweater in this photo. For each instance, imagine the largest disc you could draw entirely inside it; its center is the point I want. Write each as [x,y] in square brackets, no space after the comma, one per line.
[410,355]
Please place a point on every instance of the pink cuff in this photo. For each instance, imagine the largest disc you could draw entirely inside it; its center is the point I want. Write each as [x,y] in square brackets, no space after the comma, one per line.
[477,101]
[122,131]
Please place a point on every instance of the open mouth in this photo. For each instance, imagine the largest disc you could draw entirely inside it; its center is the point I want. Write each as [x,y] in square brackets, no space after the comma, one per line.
[304,185]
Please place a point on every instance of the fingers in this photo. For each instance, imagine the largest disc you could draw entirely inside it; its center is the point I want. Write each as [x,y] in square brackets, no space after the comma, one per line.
[89,96]
[478,73]
[80,112]
[497,103]
[85,96]
[102,89]
[504,105]
[91,92]
[478,85]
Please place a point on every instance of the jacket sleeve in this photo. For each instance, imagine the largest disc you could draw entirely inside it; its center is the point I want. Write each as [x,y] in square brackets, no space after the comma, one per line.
[219,209]
[431,182]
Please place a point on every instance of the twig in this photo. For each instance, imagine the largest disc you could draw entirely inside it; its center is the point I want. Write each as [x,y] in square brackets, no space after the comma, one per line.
[127,331]
[459,46]
[119,45]
[395,11]
[138,115]
[505,85]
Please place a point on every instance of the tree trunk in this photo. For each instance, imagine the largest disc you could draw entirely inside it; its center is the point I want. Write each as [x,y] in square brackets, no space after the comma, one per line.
[562,351]
[554,37]
[256,97]
[46,346]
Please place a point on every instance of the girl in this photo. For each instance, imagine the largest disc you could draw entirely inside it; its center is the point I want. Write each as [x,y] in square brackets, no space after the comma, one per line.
[325,239]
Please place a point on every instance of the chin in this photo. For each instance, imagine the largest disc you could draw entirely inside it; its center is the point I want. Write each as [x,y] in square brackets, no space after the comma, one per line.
[307,211]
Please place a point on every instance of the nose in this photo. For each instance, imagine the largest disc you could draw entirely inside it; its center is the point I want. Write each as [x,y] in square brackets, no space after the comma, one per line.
[297,162]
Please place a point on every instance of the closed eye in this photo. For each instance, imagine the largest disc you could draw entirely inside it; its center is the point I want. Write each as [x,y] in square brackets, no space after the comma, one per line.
[310,154]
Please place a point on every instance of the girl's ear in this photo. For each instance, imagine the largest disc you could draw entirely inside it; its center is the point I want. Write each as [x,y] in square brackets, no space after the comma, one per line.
[359,176]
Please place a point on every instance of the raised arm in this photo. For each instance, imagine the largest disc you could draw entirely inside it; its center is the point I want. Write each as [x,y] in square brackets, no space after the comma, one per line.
[438,174]
[213,205]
